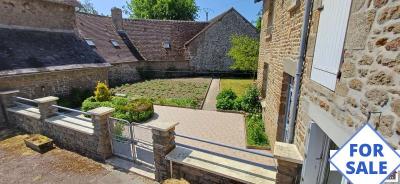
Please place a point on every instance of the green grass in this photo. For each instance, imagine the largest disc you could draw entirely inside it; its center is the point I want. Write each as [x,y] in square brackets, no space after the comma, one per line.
[237,85]
[188,92]
[255,130]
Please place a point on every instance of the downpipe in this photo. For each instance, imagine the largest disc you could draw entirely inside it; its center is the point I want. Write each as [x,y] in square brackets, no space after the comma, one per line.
[299,70]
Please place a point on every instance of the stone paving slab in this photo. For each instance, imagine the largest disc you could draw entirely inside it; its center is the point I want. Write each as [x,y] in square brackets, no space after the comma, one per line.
[210,103]
[221,127]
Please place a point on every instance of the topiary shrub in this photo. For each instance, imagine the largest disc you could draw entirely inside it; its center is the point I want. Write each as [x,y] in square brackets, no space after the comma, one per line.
[250,102]
[102,92]
[139,110]
[91,103]
[226,100]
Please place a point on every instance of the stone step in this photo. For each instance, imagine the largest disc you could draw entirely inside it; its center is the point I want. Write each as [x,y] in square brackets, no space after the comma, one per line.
[221,166]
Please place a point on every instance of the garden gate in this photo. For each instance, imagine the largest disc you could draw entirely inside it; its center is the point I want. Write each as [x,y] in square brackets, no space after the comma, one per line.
[131,141]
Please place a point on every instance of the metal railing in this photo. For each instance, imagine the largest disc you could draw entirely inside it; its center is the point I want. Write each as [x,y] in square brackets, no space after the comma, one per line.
[226,146]
[71,110]
[26,101]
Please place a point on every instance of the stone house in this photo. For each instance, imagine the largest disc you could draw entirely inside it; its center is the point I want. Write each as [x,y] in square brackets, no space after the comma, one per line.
[324,75]
[40,53]
[156,46]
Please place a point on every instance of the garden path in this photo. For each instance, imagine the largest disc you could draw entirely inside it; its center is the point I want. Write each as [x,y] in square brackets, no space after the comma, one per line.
[211,100]
[220,127]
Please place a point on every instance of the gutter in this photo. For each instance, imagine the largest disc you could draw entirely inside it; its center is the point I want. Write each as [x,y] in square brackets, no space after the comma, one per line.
[299,70]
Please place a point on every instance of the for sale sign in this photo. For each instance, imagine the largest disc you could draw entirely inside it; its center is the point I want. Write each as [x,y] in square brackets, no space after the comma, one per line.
[366,158]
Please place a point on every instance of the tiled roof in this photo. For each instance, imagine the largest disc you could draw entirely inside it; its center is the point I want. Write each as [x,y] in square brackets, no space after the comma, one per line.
[20,49]
[66,2]
[101,30]
[148,37]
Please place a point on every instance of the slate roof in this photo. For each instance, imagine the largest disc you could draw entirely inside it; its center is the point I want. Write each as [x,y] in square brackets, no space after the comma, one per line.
[20,49]
[101,30]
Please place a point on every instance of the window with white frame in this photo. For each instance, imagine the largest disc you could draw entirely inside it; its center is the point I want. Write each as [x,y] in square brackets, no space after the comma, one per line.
[329,45]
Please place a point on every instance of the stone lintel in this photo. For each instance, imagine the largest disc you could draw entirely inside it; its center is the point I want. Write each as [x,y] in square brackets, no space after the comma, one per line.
[290,67]
[162,126]
[9,92]
[287,152]
[46,99]
[101,111]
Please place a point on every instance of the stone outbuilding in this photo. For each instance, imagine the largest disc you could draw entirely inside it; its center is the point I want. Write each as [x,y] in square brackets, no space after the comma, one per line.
[344,70]
[156,46]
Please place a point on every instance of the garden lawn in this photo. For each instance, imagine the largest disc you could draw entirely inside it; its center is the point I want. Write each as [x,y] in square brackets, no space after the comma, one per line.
[237,85]
[184,92]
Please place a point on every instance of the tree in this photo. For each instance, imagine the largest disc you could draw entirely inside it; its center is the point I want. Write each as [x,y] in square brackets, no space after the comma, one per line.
[244,53]
[163,9]
[88,7]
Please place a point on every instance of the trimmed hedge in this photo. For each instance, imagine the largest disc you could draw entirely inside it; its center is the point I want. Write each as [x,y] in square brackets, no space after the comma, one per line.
[228,100]
[138,110]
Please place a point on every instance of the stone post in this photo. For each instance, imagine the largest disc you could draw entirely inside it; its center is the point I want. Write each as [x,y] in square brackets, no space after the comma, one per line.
[289,163]
[100,118]
[6,101]
[163,143]
[45,106]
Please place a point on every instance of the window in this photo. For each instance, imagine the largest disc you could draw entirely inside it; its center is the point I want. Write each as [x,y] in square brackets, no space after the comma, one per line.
[114,43]
[90,42]
[270,23]
[166,45]
[330,42]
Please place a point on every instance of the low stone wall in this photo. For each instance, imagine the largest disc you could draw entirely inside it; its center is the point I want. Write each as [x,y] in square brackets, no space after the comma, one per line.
[121,73]
[92,142]
[193,175]
[53,83]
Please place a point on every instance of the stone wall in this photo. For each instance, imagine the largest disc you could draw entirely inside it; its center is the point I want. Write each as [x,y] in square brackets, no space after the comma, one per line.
[193,175]
[277,45]
[208,52]
[37,14]
[370,73]
[121,73]
[54,83]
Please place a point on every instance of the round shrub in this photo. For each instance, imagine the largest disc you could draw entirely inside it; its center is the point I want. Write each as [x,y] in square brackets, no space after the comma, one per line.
[139,110]
[102,92]
[226,100]
[91,103]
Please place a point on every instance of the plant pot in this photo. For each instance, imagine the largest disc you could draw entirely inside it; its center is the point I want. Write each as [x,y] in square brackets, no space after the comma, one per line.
[39,143]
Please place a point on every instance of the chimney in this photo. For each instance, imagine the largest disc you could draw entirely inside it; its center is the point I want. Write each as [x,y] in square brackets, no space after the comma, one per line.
[116,15]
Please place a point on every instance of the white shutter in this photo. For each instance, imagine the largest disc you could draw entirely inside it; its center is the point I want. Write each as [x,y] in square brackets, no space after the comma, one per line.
[330,40]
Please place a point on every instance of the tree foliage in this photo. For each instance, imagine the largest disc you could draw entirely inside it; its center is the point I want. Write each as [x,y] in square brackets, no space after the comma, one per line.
[163,9]
[88,7]
[244,52]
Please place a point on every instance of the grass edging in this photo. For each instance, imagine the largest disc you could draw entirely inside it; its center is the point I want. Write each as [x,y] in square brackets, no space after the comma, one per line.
[205,97]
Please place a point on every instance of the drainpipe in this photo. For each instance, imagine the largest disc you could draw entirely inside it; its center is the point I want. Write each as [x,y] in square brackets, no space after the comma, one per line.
[299,69]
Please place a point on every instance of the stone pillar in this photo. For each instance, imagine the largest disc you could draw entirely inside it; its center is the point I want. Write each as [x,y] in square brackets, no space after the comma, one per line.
[45,106]
[289,163]
[163,143]
[100,118]
[6,101]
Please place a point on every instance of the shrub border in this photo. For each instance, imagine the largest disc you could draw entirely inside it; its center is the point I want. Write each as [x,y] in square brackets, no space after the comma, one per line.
[267,148]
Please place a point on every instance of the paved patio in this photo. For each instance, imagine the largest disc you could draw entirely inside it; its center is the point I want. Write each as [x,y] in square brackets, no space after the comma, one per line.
[19,164]
[225,128]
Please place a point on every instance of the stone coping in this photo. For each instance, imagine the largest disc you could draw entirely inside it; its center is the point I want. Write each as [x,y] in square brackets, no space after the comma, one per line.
[287,152]
[221,166]
[162,126]
[82,125]
[9,92]
[47,99]
[26,110]
[6,73]
[101,111]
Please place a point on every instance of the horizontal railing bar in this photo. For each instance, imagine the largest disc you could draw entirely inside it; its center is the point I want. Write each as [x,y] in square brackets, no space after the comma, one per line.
[72,110]
[226,146]
[26,99]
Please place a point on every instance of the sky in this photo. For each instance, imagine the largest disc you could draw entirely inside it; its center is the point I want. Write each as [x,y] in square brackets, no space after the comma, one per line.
[247,8]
